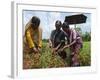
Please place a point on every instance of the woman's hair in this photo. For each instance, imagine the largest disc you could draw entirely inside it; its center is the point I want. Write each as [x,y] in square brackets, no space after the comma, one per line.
[65,25]
[35,21]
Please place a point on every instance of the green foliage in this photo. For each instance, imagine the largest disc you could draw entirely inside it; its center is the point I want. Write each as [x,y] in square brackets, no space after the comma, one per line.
[45,40]
[47,60]
[78,29]
[85,54]
[86,36]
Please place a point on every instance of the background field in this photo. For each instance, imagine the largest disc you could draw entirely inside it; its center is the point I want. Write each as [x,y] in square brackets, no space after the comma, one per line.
[49,61]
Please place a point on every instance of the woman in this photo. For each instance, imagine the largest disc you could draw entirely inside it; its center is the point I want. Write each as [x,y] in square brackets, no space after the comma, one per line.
[74,43]
[32,41]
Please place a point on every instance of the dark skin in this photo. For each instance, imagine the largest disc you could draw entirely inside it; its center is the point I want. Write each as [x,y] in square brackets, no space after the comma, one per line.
[34,26]
[58,27]
[67,30]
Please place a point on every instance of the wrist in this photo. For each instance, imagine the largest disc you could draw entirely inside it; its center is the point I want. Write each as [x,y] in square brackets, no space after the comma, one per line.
[39,46]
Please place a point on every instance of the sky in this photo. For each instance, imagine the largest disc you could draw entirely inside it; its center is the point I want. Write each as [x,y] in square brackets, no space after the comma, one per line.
[48,19]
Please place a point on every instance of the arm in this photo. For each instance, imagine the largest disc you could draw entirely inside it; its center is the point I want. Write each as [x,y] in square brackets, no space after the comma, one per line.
[29,39]
[72,36]
[51,39]
[66,46]
[50,43]
[40,38]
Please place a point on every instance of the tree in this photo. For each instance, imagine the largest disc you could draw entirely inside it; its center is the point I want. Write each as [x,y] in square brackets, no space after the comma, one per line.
[78,29]
[86,36]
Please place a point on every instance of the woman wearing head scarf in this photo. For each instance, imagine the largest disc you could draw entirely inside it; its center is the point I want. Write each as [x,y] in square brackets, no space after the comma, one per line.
[32,41]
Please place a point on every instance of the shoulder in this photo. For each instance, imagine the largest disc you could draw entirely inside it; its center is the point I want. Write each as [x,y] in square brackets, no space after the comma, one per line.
[40,29]
[53,32]
[73,30]
[28,30]
[27,25]
[64,33]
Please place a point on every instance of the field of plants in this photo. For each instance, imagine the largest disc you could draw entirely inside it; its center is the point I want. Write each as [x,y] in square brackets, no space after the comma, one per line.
[46,60]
